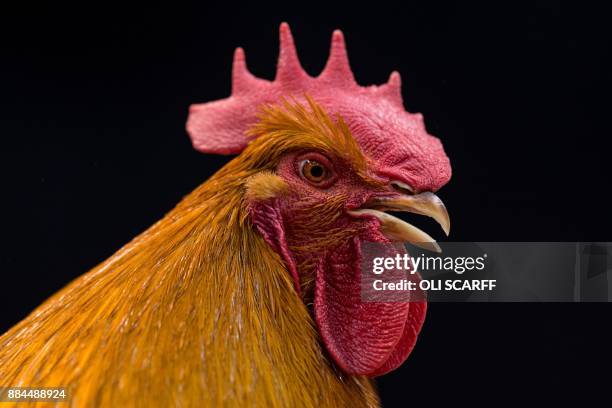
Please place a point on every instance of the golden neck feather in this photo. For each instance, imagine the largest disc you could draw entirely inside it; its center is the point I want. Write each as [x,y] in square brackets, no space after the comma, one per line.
[196,311]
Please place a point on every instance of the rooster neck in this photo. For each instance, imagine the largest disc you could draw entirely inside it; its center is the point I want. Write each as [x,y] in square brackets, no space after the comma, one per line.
[198,310]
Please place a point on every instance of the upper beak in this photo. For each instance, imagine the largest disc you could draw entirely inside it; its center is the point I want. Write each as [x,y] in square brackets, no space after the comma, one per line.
[426,203]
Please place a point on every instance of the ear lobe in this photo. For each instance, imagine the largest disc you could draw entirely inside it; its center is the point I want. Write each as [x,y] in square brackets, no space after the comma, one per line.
[267,219]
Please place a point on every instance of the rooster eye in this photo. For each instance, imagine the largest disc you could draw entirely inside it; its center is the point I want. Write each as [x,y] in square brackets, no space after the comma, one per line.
[314,171]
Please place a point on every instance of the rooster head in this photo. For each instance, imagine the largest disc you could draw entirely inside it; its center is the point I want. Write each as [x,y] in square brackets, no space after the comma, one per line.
[324,159]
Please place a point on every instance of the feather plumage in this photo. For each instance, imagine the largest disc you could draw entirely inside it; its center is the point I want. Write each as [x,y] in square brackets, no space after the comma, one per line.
[198,310]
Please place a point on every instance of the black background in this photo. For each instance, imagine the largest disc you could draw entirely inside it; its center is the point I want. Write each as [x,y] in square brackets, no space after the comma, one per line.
[93,102]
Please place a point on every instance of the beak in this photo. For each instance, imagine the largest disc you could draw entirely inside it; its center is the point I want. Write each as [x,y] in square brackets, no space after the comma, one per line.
[426,203]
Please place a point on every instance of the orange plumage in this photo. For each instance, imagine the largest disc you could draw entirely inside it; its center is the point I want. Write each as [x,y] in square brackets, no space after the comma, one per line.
[248,292]
[196,311]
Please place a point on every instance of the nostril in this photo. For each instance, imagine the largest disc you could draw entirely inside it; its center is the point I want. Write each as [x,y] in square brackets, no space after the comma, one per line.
[401,187]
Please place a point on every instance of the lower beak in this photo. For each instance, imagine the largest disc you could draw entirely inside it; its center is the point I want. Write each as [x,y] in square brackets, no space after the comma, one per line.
[398,230]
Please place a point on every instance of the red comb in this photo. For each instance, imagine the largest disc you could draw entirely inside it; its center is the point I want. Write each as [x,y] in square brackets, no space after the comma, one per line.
[218,127]
[375,114]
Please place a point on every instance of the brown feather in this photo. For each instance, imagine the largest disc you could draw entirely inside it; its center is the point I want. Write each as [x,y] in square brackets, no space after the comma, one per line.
[198,310]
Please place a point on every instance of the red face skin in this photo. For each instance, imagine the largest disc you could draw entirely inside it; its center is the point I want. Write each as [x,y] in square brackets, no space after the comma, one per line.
[362,338]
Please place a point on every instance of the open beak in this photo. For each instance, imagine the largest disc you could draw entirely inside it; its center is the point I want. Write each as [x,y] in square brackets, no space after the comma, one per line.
[398,230]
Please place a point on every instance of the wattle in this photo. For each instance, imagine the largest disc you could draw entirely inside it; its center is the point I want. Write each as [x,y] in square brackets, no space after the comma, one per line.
[363,338]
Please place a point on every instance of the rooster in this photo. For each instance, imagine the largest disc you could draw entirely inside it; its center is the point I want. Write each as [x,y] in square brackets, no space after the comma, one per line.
[248,292]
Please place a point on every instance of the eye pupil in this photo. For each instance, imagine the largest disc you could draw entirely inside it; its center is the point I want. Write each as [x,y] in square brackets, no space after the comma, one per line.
[316,171]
